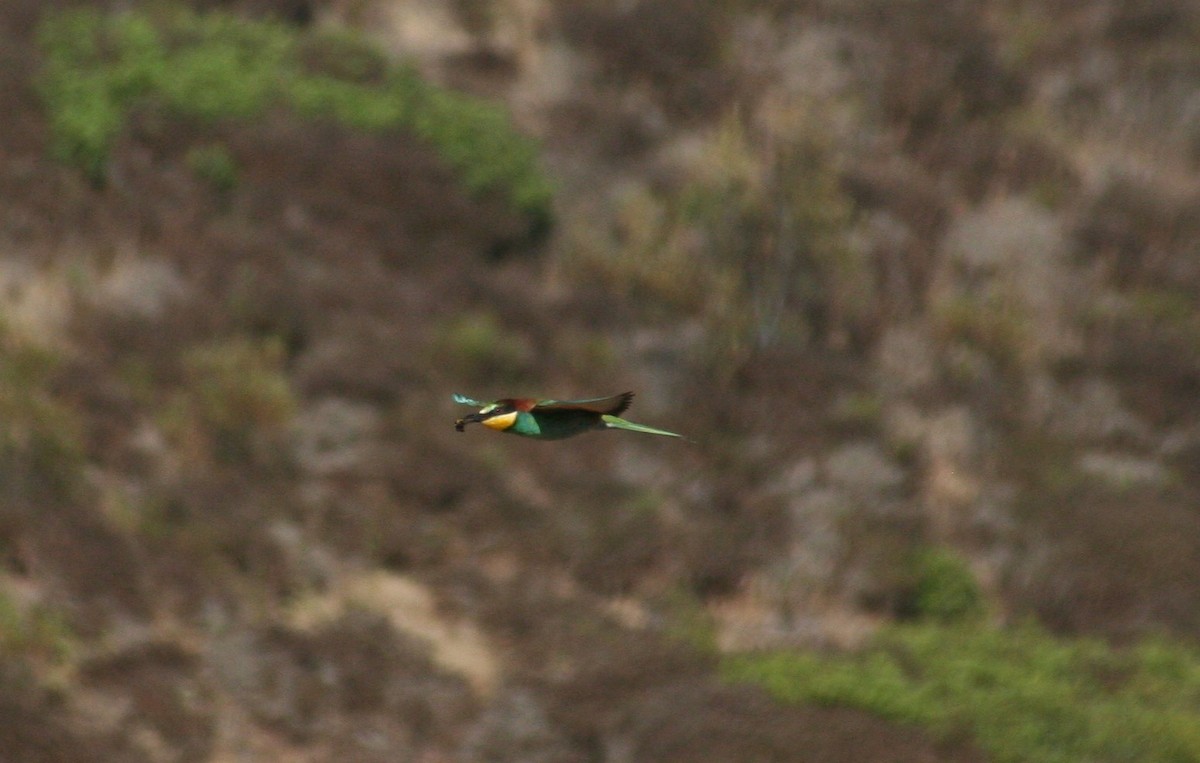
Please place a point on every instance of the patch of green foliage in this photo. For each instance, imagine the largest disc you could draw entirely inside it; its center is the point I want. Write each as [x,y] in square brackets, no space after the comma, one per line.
[213,163]
[33,631]
[1023,695]
[778,216]
[217,66]
[944,588]
[41,442]
[995,324]
[688,620]
[755,245]
[235,399]
[477,346]
[857,410]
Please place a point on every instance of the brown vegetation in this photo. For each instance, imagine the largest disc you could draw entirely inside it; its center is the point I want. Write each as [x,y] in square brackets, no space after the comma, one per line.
[940,296]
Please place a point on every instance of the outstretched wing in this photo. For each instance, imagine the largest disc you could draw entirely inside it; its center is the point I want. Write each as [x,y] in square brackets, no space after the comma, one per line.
[603,405]
[464,400]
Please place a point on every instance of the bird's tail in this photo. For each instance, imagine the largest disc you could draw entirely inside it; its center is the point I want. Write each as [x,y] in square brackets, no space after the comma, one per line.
[616,422]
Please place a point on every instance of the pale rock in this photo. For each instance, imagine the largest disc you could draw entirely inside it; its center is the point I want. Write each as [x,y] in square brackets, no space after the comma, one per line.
[139,286]
[1124,470]
[952,479]
[905,360]
[863,467]
[1008,262]
[335,435]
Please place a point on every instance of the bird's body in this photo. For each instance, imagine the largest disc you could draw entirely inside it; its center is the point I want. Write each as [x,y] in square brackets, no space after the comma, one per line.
[553,419]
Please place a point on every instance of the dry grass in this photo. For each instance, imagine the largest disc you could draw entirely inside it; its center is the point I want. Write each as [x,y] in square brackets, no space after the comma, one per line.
[244,287]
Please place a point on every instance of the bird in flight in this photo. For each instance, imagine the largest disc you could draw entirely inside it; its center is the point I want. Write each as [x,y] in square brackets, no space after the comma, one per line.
[553,419]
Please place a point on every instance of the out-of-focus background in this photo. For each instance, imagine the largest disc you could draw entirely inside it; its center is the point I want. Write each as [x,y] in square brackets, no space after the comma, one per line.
[920,280]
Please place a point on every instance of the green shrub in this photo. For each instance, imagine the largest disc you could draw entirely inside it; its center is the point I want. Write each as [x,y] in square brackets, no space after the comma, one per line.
[41,439]
[476,345]
[217,66]
[1023,695]
[994,324]
[857,410]
[213,163]
[33,631]
[944,588]
[756,244]
[774,212]
[235,398]
[688,620]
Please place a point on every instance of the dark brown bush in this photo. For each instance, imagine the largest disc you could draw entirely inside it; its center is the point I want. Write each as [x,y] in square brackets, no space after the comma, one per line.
[673,46]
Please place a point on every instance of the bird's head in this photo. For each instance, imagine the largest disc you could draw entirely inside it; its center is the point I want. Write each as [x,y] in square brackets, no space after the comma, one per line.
[499,415]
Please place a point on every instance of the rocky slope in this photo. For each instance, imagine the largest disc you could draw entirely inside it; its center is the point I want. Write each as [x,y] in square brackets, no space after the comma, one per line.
[919,279]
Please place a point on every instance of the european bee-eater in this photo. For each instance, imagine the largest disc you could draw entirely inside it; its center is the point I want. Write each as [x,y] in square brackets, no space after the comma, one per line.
[553,419]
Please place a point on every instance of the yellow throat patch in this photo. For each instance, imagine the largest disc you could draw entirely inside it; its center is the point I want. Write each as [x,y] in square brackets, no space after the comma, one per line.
[500,423]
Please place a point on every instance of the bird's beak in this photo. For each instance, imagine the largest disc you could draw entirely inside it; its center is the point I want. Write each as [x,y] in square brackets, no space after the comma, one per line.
[470,418]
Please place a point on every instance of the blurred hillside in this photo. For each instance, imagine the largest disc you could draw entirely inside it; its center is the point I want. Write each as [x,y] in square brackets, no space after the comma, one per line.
[921,280]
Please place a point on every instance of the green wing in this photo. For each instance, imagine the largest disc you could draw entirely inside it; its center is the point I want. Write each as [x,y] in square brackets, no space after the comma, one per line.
[464,400]
[610,405]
